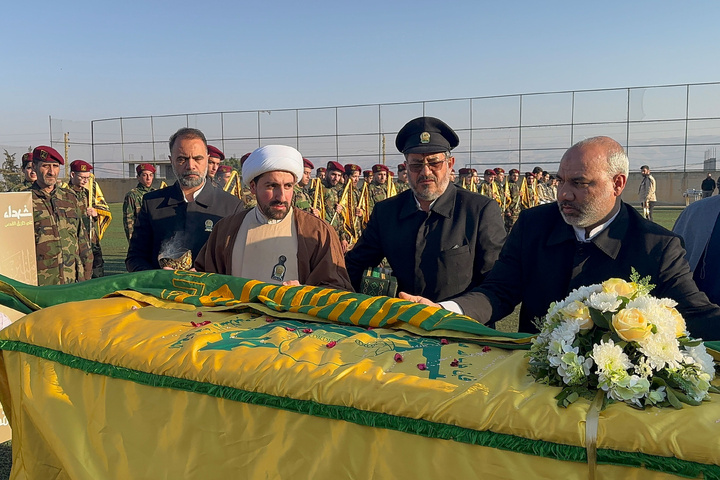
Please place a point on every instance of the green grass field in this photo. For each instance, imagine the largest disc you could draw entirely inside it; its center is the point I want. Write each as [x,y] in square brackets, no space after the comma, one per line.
[114,246]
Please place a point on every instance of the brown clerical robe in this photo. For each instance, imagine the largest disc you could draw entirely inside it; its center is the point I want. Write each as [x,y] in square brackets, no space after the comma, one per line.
[319,255]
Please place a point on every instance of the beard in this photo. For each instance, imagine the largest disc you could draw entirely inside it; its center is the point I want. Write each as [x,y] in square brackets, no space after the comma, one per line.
[271,210]
[187,181]
[427,193]
[586,214]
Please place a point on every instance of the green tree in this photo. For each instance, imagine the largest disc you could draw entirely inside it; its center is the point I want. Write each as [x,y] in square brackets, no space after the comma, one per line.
[10,172]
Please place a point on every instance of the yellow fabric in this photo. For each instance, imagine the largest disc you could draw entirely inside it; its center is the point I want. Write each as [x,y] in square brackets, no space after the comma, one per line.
[97,201]
[93,426]
[233,185]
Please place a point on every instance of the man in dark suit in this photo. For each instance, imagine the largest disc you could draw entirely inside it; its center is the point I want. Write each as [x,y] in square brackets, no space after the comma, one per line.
[180,217]
[587,236]
[440,240]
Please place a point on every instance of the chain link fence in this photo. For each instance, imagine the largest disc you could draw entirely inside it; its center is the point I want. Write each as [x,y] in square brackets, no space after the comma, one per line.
[670,127]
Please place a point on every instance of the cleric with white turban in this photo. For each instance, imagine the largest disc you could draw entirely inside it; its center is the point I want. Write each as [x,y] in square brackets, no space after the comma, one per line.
[272,158]
[273,242]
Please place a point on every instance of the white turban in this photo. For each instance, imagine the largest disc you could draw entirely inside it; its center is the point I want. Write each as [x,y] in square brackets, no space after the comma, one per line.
[271,158]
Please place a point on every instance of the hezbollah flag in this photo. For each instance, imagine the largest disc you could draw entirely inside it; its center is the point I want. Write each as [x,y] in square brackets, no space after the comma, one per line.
[165,374]
[233,185]
[97,201]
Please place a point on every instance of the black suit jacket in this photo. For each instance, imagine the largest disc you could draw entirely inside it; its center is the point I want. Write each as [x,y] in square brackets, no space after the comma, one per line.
[165,216]
[542,262]
[438,254]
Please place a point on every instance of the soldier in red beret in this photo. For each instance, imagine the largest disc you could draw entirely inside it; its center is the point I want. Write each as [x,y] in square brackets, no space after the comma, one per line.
[402,184]
[133,199]
[302,199]
[28,174]
[62,248]
[378,188]
[352,179]
[223,174]
[320,173]
[215,156]
[500,177]
[96,210]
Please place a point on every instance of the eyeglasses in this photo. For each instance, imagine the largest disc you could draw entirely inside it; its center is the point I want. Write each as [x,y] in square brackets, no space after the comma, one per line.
[433,165]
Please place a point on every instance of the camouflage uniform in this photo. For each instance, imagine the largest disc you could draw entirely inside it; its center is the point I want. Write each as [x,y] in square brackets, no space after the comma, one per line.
[22,187]
[98,267]
[131,207]
[377,192]
[331,197]
[514,205]
[247,198]
[401,187]
[62,244]
[301,198]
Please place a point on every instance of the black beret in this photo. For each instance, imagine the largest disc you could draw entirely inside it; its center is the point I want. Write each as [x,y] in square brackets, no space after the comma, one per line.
[426,135]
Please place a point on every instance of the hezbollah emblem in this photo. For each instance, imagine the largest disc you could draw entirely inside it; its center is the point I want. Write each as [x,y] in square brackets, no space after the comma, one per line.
[424,137]
[208,225]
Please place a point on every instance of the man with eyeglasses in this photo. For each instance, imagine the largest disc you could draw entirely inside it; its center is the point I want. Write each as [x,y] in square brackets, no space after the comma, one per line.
[438,239]
[80,184]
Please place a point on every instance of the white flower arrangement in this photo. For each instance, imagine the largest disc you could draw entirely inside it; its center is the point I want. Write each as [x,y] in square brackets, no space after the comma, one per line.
[617,338]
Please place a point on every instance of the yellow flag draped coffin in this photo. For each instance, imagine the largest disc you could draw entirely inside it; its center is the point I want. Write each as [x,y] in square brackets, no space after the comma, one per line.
[184,375]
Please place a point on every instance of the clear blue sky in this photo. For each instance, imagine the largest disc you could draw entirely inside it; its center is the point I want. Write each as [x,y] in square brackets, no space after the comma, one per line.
[87,60]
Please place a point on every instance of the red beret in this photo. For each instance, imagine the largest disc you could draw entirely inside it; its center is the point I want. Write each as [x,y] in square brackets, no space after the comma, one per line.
[321,169]
[47,154]
[335,166]
[244,157]
[514,170]
[308,164]
[529,174]
[351,168]
[80,166]
[465,171]
[489,171]
[224,169]
[215,153]
[402,167]
[378,167]
[392,174]
[498,170]
[26,158]
[367,173]
[144,166]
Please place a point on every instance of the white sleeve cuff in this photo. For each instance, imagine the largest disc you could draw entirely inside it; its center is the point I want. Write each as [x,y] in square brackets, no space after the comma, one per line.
[452,306]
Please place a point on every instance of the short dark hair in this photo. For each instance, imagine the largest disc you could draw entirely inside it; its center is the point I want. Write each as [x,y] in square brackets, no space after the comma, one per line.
[644,167]
[187,132]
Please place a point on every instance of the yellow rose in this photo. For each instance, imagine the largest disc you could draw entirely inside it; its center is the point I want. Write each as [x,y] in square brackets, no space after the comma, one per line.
[620,287]
[580,312]
[631,325]
[679,322]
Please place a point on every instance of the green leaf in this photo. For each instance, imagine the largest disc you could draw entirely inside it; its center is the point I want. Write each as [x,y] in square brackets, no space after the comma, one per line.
[599,319]
[672,398]
[685,399]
